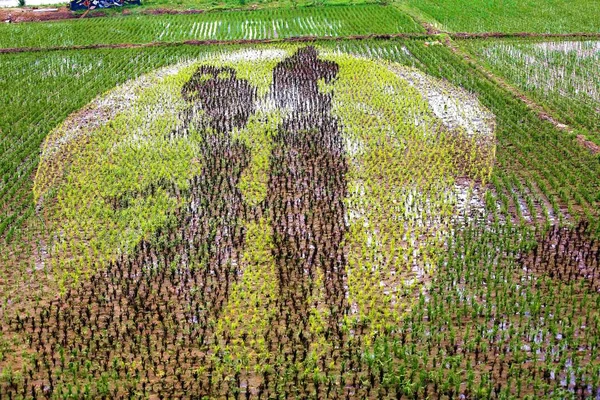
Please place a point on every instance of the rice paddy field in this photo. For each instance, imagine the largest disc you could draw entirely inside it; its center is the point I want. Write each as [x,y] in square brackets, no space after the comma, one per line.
[392,213]
[562,75]
[234,25]
[510,16]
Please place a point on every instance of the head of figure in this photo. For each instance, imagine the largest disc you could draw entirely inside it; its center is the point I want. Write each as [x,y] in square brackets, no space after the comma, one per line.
[226,101]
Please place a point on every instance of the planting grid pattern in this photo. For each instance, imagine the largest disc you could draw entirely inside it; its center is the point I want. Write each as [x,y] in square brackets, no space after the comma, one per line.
[234,25]
[527,191]
[489,290]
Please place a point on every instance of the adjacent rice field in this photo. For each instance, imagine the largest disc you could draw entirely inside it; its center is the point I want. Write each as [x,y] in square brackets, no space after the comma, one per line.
[563,75]
[510,16]
[260,24]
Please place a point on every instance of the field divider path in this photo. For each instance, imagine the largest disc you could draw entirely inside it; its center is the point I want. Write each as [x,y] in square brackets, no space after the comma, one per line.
[210,42]
[430,34]
[541,112]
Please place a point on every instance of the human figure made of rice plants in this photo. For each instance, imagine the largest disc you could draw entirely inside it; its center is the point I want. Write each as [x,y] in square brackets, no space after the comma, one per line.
[161,304]
[306,191]
[216,201]
[178,280]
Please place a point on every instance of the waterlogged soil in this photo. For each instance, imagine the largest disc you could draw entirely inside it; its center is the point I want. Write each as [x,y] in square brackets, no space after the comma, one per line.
[567,254]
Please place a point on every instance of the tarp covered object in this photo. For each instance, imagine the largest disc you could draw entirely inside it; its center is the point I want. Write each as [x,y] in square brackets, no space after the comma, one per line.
[91,4]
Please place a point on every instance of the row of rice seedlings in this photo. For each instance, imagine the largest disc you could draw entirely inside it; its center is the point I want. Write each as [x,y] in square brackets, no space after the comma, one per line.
[261,24]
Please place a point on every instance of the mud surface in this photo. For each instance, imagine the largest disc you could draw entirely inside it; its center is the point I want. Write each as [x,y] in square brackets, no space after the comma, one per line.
[567,254]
